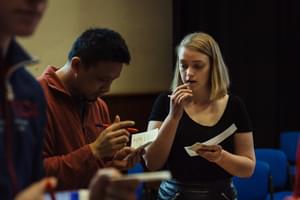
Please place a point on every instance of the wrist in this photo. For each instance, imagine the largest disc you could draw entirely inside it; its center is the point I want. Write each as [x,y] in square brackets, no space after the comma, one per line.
[220,159]
[173,118]
[94,151]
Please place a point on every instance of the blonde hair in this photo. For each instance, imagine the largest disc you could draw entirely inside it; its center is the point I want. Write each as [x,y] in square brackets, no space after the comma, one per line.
[219,77]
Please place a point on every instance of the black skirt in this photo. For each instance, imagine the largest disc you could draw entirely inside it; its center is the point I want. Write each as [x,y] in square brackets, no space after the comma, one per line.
[212,190]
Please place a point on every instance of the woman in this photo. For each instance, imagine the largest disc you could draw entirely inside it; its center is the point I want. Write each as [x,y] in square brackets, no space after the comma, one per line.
[198,109]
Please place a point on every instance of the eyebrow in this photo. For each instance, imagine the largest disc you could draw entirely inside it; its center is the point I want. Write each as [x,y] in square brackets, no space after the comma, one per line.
[193,61]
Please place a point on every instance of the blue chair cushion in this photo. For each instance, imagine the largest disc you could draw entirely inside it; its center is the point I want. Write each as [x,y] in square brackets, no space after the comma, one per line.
[280,195]
[138,168]
[278,163]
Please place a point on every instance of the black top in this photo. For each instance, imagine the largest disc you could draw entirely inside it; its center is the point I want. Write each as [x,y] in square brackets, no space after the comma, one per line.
[194,169]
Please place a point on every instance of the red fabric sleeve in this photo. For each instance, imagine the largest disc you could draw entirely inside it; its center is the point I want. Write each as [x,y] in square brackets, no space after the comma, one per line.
[76,168]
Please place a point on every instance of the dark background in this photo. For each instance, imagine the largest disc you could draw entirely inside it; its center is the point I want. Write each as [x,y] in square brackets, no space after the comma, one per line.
[259,40]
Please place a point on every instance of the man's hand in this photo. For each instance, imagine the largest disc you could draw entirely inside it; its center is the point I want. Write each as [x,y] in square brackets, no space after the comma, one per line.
[112,139]
[126,158]
[103,188]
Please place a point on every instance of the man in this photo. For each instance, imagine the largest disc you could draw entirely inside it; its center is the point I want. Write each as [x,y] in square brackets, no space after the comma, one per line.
[22,111]
[77,142]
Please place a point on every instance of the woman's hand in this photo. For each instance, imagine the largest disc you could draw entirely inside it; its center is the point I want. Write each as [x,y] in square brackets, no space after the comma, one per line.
[212,153]
[177,100]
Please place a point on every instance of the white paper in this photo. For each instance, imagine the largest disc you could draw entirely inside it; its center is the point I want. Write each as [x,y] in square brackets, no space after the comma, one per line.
[140,140]
[146,176]
[191,150]
[219,138]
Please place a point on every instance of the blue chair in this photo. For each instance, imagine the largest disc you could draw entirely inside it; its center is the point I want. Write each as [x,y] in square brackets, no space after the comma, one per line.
[138,168]
[255,187]
[278,163]
[288,144]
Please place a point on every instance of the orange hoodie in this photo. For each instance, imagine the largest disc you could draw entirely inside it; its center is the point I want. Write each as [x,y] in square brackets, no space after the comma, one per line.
[66,153]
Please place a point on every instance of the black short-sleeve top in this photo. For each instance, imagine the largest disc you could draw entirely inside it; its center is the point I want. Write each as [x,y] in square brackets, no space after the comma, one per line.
[196,169]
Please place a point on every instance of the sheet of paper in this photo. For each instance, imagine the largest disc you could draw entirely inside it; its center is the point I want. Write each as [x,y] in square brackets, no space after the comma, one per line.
[146,176]
[191,150]
[144,138]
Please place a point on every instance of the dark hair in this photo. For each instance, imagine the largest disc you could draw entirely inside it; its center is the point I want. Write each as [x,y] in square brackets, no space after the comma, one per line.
[100,44]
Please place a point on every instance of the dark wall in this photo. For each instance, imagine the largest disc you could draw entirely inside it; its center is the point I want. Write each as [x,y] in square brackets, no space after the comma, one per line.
[260,43]
[135,107]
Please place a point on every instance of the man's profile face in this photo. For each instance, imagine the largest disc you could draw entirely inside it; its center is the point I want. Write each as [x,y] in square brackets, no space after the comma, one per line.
[20,17]
[95,81]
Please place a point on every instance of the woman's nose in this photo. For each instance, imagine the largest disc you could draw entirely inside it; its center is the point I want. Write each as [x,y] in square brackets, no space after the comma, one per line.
[189,71]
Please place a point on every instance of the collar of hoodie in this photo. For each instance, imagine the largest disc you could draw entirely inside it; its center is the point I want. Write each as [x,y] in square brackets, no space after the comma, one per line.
[16,58]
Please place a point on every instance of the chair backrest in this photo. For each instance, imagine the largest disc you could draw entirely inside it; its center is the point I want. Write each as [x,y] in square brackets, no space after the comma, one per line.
[278,163]
[288,144]
[138,168]
[255,187]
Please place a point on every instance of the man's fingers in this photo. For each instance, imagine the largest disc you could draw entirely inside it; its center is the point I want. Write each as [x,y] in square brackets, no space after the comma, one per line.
[116,134]
[123,153]
[120,125]
[120,139]
[119,164]
[127,150]
[117,119]
[142,151]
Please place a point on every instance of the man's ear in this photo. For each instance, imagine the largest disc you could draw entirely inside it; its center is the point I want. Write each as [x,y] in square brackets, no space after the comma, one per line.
[75,65]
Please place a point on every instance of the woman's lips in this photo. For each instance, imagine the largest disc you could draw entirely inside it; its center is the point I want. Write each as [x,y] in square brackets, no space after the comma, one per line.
[190,82]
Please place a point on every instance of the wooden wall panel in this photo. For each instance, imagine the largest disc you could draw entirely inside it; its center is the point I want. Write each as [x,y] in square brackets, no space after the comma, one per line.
[135,107]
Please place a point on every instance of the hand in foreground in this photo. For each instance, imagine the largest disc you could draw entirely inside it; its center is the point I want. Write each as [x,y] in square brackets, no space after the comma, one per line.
[212,153]
[37,190]
[292,198]
[102,187]
[126,158]
[112,139]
